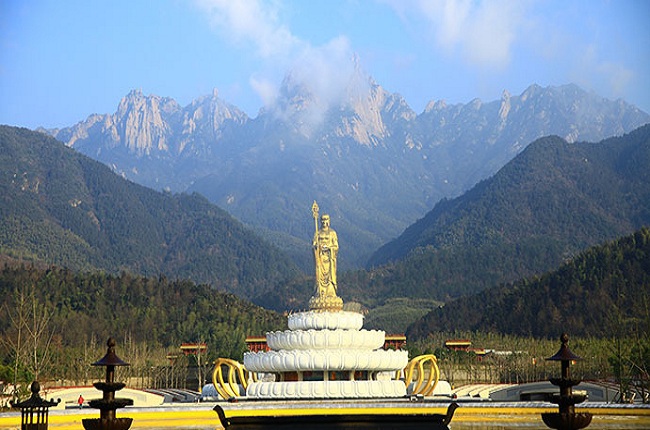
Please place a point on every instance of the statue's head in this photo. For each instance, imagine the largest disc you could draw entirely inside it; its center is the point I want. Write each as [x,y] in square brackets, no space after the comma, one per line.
[325,221]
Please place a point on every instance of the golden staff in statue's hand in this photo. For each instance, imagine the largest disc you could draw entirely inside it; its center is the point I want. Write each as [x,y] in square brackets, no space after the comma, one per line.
[314,212]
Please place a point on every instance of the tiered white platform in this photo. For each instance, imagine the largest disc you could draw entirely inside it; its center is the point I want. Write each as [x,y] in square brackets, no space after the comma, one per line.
[326,355]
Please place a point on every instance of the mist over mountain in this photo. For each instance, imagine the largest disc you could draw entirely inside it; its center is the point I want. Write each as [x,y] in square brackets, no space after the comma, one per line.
[369,160]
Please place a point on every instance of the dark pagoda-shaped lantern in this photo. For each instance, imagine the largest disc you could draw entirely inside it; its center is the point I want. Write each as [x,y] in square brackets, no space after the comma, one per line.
[566,418]
[108,404]
[34,411]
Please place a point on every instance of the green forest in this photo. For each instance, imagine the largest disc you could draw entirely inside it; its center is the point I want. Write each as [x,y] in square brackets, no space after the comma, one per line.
[548,204]
[56,322]
[602,292]
[60,207]
[600,298]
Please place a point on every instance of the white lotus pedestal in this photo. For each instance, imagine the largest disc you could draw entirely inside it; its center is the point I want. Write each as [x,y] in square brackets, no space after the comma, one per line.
[326,355]
[326,372]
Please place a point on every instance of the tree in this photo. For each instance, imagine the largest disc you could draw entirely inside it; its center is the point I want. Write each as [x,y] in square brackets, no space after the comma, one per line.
[13,338]
[39,334]
[29,335]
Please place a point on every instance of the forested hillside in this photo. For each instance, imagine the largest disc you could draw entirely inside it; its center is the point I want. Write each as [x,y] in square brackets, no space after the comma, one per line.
[76,308]
[60,207]
[602,292]
[545,206]
[54,322]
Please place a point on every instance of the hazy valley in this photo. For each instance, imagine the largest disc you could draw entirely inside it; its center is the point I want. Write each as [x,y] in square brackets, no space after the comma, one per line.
[372,162]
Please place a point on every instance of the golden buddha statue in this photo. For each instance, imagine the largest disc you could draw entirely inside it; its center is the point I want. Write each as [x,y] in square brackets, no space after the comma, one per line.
[325,247]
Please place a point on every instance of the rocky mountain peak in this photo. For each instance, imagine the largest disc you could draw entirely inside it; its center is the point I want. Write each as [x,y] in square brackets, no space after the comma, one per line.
[370,112]
[205,118]
[351,102]
[476,104]
[297,95]
[143,122]
[504,109]
[365,109]
[530,92]
[215,110]
[434,105]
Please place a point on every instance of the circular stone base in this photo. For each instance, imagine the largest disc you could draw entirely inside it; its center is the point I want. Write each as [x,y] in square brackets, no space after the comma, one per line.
[575,421]
[100,424]
[326,390]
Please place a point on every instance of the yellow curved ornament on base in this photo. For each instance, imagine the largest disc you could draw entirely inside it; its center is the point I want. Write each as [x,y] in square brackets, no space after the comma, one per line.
[229,387]
[426,380]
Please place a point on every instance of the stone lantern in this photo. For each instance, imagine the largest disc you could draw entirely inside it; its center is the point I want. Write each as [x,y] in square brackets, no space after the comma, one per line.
[566,418]
[34,411]
[109,403]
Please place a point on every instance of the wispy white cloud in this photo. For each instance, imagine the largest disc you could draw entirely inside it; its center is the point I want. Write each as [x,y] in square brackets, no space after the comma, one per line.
[326,70]
[266,89]
[323,70]
[254,22]
[482,32]
[618,77]
[591,71]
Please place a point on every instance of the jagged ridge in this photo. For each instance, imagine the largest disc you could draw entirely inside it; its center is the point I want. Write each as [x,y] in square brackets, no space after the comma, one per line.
[365,154]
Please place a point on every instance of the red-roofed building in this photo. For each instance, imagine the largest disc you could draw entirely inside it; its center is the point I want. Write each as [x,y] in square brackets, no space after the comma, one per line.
[193,348]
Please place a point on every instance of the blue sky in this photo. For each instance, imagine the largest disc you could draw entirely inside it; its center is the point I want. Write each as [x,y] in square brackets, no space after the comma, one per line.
[61,61]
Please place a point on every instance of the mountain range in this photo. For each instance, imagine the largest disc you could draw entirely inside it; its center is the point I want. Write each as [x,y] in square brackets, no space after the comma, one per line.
[368,159]
[548,204]
[541,209]
[577,192]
